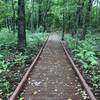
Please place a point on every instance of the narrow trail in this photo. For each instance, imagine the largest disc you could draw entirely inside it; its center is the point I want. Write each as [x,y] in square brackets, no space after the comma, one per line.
[53,77]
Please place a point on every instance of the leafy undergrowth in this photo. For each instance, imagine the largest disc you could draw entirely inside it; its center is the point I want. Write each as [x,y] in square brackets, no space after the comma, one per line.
[86,53]
[13,64]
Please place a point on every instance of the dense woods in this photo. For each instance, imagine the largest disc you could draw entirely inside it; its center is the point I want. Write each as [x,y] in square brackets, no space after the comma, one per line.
[23,29]
[76,15]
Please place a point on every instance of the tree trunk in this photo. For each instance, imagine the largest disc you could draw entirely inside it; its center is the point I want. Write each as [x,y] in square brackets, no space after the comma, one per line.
[46,10]
[21,25]
[13,18]
[87,18]
[63,20]
[78,15]
[32,17]
[40,14]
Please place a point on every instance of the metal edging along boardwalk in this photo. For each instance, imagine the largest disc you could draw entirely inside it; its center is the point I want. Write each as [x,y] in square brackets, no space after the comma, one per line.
[85,85]
[25,77]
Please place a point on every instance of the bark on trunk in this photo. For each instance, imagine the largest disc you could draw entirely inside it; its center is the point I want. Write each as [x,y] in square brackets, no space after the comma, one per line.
[21,25]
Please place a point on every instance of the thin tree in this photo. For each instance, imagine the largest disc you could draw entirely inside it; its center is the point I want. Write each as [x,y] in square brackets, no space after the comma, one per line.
[40,13]
[13,18]
[32,16]
[45,13]
[63,21]
[87,18]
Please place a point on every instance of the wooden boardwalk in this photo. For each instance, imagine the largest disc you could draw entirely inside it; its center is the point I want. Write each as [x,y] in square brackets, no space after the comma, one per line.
[53,77]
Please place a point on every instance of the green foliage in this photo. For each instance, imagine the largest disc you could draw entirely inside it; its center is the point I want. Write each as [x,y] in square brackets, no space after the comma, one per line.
[51,11]
[96,80]
[40,29]
[6,37]
[11,58]
[85,54]
[36,39]
[21,98]
[5,11]
[19,59]
[3,66]
[4,86]
[71,42]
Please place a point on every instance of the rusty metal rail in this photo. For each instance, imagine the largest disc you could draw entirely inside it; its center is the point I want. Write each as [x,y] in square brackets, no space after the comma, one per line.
[25,77]
[85,85]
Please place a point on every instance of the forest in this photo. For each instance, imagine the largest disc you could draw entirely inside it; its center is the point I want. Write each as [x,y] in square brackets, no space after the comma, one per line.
[26,24]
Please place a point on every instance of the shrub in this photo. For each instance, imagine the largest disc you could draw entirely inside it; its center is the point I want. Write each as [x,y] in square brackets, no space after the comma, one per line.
[70,41]
[4,86]
[11,60]
[85,54]
[6,37]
